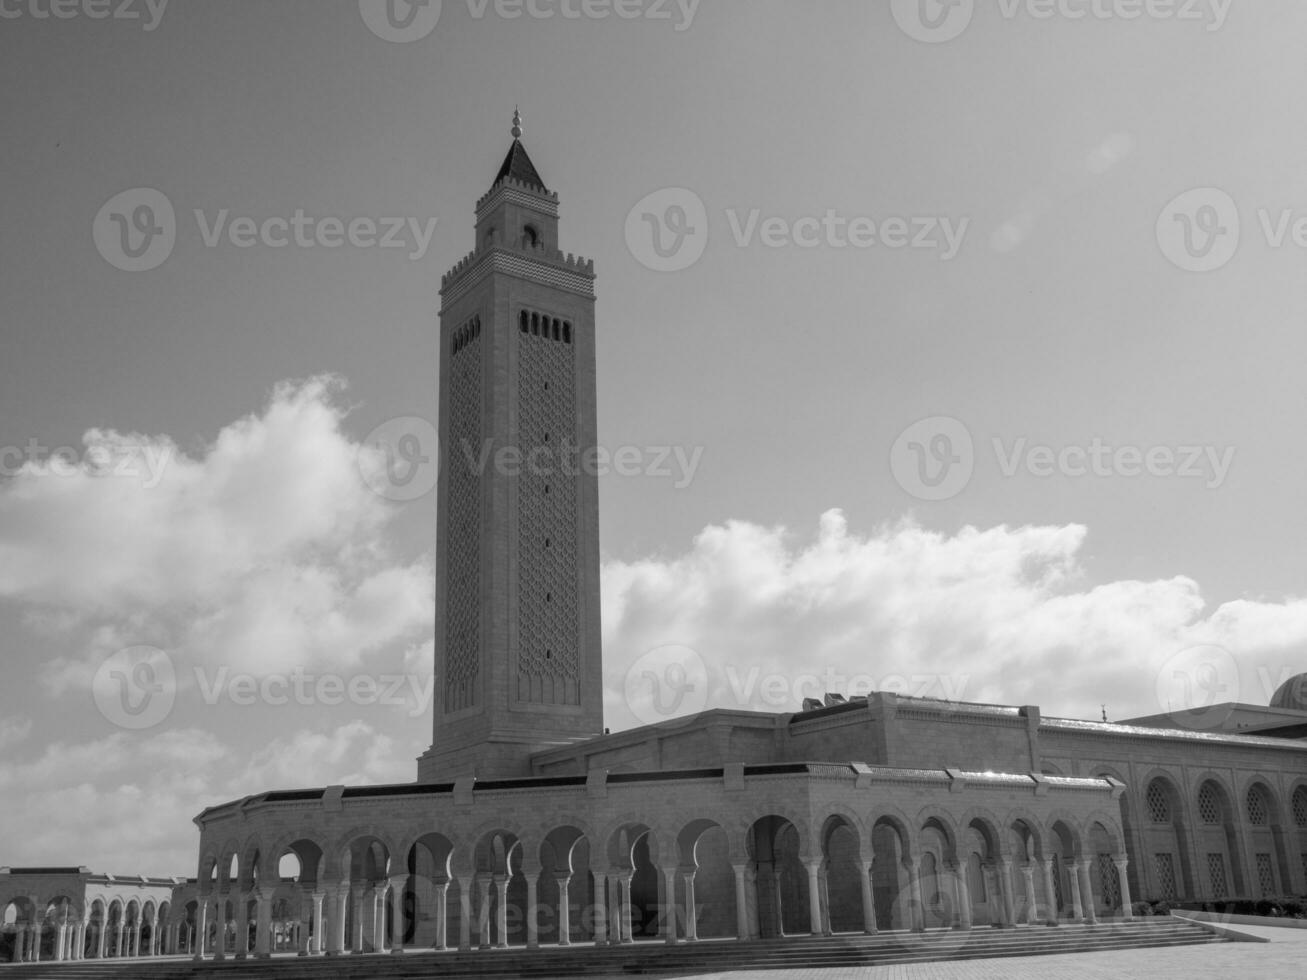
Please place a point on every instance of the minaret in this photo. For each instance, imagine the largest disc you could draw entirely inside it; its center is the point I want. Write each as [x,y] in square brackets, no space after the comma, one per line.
[517,559]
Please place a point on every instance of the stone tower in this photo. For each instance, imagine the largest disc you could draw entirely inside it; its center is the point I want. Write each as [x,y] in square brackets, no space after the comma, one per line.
[517,560]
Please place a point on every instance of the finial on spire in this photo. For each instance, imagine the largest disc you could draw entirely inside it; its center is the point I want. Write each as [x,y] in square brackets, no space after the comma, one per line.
[517,124]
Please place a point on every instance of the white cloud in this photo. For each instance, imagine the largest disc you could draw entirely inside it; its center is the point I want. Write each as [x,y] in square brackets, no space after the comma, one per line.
[997,615]
[14,731]
[263,551]
[124,804]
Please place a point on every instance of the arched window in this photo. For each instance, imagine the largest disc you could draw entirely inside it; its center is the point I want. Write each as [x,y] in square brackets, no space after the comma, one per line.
[567,332]
[1209,804]
[524,321]
[1300,806]
[558,332]
[1158,807]
[1259,812]
[535,324]
[530,238]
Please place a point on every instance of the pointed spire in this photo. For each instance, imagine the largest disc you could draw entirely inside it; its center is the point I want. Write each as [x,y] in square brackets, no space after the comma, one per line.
[517,164]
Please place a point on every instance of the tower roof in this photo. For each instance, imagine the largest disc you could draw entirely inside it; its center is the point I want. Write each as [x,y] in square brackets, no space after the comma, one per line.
[519,166]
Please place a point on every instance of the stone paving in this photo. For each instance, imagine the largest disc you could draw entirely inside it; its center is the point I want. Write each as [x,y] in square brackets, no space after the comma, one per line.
[1254,961]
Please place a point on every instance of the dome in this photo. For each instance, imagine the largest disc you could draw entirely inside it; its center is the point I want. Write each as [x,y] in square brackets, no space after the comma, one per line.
[1291,694]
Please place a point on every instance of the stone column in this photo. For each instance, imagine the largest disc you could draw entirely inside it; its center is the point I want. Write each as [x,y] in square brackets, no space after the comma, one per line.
[1087,893]
[1028,883]
[564,910]
[1050,893]
[962,890]
[669,908]
[778,903]
[532,909]
[483,916]
[201,930]
[60,940]
[823,896]
[338,904]
[356,933]
[379,917]
[397,886]
[1077,906]
[1122,864]
[155,937]
[501,916]
[315,939]
[1008,906]
[121,950]
[37,930]
[263,924]
[442,915]
[751,901]
[242,950]
[918,907]
[815,925]
[601,909]
[614,909]
[465,919]
[624,882]
[741,904]
[691,913]
[868,900]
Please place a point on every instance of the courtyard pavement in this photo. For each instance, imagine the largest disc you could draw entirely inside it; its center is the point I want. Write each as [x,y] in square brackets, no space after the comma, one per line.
[1285,958]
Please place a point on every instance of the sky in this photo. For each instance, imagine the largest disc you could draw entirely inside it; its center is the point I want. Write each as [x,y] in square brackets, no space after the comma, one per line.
[956,349]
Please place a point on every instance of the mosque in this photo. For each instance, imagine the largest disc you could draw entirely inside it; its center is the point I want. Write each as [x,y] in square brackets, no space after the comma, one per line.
[529,825]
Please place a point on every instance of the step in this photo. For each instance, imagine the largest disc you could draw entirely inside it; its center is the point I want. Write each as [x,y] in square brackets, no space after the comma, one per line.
[651,957]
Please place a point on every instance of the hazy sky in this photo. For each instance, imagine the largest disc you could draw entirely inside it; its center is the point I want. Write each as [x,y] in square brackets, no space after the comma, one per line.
[979,331]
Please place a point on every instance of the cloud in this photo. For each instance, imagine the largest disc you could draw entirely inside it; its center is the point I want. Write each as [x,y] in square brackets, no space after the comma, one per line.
[263,551]
[1000,615]
[14,731]
[123,804]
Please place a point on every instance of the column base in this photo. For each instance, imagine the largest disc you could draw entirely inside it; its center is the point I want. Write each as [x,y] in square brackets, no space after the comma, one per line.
[396,952]
[262,956]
